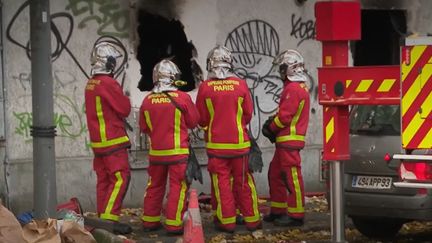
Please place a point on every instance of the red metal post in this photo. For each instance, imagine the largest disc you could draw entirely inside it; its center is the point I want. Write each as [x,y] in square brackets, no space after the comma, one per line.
[336,24]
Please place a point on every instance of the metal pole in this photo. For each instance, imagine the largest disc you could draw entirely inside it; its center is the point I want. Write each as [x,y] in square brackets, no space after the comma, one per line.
[43,129]
[337,202]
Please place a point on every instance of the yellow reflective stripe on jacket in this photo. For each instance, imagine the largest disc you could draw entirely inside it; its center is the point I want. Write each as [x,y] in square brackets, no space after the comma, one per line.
[210,108]
[296,118]
[293,130]
[164,152]
[278,204]
[148,121]
[177,141]
[110,142]
[177,121]
[256,215]
[228,145]
[298,194]
[101,120]
[278,122]
[241,144]
[239,120]
[178,220]
[228,220]
[290,138]
[114,194]
[102,130]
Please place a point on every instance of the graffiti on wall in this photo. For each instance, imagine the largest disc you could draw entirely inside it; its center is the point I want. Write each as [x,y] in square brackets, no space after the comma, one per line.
[69,117]
[61,38]
[254,44]
[302,29]
[69,114]
[110,18]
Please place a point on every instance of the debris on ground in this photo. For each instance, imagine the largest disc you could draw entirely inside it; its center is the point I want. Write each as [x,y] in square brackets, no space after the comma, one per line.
[317,231]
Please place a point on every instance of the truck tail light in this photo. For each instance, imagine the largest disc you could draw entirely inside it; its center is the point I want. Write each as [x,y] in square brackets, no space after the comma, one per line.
[419,171]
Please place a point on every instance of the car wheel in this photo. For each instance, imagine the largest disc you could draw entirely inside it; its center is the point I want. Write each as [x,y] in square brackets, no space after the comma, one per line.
[378,228]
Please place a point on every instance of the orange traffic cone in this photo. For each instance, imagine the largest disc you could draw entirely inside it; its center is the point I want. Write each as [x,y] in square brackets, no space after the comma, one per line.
[193,232]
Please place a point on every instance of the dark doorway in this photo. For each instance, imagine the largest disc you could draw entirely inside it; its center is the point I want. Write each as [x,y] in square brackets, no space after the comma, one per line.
[163,38]
[380,37]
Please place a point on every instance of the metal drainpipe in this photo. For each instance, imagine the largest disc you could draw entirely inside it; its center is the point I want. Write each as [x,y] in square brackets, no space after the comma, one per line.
[5,193]
[43,129]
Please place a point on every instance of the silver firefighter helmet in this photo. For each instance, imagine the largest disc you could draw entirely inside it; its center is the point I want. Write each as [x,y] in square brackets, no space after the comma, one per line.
[291,66]
[165,75]
[219,62]
[103,58]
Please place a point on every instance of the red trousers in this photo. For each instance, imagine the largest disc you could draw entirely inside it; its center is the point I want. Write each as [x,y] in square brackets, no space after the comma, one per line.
[286,183]
[113,176]
[224,194]
[155,192]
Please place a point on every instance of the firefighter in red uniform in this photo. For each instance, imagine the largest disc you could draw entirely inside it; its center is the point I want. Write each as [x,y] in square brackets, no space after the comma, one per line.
[225,106]
[106,108]
[288,130]
[165,115]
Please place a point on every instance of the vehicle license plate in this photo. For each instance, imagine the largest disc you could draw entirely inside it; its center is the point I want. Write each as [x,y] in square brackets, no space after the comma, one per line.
[371,182]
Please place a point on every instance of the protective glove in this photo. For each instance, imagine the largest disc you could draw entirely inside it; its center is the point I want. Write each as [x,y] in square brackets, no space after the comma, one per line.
[267,132]
[193,170]
[255,156]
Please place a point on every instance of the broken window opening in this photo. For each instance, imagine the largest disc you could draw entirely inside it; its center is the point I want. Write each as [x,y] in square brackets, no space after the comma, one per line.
[161,38]
[380,37]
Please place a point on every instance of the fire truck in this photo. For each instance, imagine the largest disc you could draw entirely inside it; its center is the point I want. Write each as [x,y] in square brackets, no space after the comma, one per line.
[407,85]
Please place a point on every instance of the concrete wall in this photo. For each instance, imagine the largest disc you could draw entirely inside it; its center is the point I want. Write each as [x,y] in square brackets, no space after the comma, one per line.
[77,25]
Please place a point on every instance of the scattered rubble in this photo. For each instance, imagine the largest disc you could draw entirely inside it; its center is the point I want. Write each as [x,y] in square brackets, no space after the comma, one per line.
[314,205]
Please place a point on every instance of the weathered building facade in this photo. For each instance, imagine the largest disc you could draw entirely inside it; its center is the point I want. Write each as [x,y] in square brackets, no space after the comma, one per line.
[256,31]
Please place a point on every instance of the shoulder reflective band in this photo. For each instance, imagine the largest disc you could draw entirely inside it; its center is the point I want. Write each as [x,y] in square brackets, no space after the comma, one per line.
[211,112]
[278,122]
[177,142]
[102,129]
[148,121]
[293,131]
[241,143]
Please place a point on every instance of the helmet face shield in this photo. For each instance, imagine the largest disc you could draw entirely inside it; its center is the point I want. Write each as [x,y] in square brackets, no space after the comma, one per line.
[291,66]
[165,73]
[103,58]
[219,62]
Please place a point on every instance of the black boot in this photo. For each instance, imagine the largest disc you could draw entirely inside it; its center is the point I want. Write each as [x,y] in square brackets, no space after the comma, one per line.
[240,220]
[287,221]
[221,228]
[272,216]
[175,232]
[152,228]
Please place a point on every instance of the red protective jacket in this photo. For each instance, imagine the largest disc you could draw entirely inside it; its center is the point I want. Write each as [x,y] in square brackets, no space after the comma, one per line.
[291,121]
[106,107]
[168,126]
[225,107]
